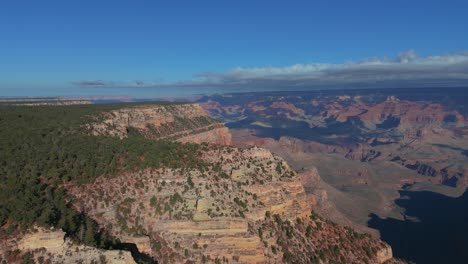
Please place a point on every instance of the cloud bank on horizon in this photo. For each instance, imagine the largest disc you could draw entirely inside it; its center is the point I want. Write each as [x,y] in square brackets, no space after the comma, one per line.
[405,70]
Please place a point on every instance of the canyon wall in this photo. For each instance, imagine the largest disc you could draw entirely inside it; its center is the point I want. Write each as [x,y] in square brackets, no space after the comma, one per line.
[181,122]
[245,207]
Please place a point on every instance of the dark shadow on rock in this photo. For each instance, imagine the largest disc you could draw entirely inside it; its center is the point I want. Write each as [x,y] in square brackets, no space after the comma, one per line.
[138,256]
[440,233]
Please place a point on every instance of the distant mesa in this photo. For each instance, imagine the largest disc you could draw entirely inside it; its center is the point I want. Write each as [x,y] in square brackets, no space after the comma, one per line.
[36,101]
[181,122]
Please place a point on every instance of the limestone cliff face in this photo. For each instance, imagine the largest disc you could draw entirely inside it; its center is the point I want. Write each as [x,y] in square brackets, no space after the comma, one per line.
[384,254]
[242,207]
[51,246]
[182,122]
[50,240]
[219,136]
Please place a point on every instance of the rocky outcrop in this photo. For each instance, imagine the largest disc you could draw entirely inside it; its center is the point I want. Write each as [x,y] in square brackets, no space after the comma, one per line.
[311,181]
[384,254]
[362,154]
[50,240]
[288,106]
[219,136]
[357,152]
[448,175]
[410,121]
[213,212]
[422,169]
[182,122]
[51,246]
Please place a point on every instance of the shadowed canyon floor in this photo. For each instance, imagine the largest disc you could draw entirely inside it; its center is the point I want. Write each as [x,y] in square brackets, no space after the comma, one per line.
[434,228]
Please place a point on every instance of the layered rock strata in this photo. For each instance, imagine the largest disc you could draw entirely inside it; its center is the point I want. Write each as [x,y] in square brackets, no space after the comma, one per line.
[51,246]
[213,213]
[182,122]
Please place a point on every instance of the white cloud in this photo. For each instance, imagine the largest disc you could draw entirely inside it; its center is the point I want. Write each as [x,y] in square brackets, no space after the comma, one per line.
[406,66]
[405,70]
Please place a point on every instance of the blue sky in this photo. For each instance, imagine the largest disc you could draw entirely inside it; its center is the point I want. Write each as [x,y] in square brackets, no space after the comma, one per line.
[147,47]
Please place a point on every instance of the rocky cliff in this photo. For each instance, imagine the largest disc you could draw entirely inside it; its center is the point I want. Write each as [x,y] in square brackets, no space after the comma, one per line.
[320,194]
[52,246]
[243,206]
[181,122]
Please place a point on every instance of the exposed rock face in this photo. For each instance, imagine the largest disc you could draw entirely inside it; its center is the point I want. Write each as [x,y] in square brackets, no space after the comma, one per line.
[311,181]
[435,168]
[288,106]
[52,247]
[358,152]
[362,154]
[423,169]
[50,240]
[219,136]
[297,152]
[182,122]
[214,213]
[411,113]
[384,254]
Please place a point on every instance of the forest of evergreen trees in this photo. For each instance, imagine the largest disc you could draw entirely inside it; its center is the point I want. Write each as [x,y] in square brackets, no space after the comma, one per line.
[42,147]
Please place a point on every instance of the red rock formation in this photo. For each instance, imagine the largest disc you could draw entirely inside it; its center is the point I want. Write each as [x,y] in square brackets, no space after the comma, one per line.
[288,106]
[411,114]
